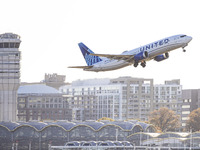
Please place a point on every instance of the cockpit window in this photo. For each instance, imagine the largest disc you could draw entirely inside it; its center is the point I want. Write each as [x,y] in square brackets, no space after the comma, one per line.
[182,36]
[124,52]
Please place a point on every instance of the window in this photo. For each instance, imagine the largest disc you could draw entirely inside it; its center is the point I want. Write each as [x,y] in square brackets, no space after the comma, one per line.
[186,112]
[21,105]
[12,45]
[17,45]
[22,100]
[183,124]
[182,36]
[186,106]
[124,88]
[6,45]
[185,118]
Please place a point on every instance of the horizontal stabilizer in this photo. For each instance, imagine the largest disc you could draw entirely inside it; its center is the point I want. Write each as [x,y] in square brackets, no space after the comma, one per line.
[81,67]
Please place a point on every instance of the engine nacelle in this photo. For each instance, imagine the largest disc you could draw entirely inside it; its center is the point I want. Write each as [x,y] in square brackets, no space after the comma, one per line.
[141,55]
[161,57]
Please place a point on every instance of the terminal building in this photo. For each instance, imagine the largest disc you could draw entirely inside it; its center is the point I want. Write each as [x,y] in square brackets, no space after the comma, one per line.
[9,75]
[39,135]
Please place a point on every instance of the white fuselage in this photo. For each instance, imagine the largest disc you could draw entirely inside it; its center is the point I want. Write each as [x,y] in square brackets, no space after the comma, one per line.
[154,49]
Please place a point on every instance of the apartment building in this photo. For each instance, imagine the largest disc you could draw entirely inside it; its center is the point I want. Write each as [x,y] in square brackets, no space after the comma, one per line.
[120,99]
[168,95]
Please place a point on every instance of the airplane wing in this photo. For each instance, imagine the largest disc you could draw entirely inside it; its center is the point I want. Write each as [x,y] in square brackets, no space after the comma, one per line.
[81,67]
[118,57]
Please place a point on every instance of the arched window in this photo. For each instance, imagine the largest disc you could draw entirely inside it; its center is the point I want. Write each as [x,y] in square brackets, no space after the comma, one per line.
[82,133]
[55,135]
[5,138]
[24,135]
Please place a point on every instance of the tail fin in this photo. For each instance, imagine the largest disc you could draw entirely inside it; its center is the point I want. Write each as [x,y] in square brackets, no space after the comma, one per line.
[90,60]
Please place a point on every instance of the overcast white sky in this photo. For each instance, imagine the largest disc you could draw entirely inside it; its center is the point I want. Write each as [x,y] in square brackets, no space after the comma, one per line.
[51,29]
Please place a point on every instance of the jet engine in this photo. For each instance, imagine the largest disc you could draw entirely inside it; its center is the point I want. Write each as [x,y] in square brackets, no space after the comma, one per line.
[161,57]
[140,56]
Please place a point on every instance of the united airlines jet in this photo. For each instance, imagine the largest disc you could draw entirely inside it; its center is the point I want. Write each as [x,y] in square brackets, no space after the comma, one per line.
[158,51]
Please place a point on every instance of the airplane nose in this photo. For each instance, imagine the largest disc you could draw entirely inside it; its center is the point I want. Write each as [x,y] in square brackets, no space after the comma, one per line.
[189,38]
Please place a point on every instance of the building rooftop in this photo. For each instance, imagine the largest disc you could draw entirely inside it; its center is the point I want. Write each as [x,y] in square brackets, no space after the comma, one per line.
[91,82]
[94,125]
[37,89]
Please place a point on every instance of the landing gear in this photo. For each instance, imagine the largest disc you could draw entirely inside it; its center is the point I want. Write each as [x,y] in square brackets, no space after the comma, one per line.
[135,64]
[143,64]
[184,48]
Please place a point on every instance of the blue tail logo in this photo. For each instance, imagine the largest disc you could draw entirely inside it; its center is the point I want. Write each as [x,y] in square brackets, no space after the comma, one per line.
[90,60]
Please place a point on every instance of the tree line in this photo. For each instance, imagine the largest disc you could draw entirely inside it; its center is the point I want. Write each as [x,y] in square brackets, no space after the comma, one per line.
[165,120]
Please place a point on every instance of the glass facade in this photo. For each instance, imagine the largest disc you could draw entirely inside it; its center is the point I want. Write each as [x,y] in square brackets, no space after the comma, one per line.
[169,140]
[38,135]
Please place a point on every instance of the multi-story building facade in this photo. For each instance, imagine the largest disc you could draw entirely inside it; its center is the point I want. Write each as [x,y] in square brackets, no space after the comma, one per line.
[137,97]
[9,75]
[93,99]
[120,99]
[168,95]
[41,102]
[190,102]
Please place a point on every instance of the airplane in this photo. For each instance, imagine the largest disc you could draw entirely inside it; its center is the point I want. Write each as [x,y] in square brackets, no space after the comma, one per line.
[158,50]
